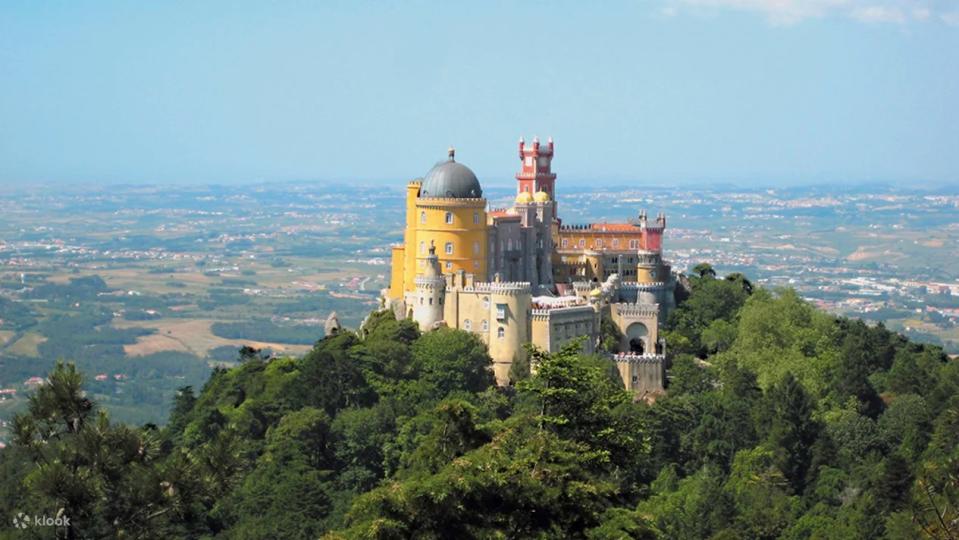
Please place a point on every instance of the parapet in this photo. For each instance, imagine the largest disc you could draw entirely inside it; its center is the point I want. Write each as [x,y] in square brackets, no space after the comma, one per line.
[430,282]
[637,310]
[633,358]
[501,287]
[547,313]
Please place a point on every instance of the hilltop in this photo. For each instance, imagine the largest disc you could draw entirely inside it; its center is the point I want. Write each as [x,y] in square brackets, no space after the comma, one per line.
[779,421]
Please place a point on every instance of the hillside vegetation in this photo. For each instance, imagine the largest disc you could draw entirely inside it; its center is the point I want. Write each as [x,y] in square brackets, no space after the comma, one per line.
[780,422]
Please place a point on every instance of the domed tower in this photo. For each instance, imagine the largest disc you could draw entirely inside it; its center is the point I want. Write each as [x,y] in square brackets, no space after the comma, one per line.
[445,209]
[430,293]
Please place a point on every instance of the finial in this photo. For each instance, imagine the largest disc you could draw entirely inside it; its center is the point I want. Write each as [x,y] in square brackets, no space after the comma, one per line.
[432,248]
[452,153]
[521,140]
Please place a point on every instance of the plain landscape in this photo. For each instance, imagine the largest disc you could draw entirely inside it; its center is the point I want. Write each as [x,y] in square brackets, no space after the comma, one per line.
[148,288]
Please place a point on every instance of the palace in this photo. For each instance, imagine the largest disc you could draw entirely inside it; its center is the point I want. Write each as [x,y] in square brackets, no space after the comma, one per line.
[520,275]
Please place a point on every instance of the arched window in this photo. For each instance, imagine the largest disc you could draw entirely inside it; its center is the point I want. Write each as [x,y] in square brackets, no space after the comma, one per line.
[509,244]
[449,248]
[476,218]
[501,333]
[449,218]
[486,302]
[467,324]
[449,265]
[422,248]
[423,216]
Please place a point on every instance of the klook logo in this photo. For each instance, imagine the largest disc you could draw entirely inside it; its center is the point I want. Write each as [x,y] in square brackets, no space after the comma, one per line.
[22,521]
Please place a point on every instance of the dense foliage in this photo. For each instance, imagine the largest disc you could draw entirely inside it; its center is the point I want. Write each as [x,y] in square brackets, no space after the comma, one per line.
[780,422]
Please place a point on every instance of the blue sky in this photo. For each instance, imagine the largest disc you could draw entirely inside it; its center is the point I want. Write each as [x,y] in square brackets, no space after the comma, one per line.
[753,92]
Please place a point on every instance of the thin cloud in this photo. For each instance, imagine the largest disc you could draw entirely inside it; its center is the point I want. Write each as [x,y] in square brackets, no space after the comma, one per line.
[789,12]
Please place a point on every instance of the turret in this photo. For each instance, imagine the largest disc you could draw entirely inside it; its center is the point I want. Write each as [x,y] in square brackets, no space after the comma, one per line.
[536,174]
[430,293]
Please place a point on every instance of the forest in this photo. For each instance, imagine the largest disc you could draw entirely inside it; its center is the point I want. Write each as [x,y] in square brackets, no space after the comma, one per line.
[779,421]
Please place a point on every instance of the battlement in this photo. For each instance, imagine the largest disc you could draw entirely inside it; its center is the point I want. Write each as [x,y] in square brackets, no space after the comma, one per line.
[633,358]
[655,286]
[546,313]
[452,201]
[430,282]
[637,310]
[501,287]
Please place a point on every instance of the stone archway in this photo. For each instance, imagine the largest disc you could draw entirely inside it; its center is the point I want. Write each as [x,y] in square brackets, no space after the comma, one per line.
[637,336]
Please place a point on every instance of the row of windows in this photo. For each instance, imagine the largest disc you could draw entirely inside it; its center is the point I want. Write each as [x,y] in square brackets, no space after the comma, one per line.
[449,265]
[449,217]
[598,243]
[448,248]
[468,325]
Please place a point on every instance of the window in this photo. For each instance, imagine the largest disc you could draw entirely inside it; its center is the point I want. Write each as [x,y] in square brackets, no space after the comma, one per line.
[449,265]
[476,218]
[449,218]
[634,244]
[582,242]
[486,302]
[615,242]
[449,248]
[485,325]
[565,242]
[599,243]
[501,333]
[476,248]
[441,300]
[509,244]
[500,312]
[422,248]
[467,324]
[476,265]
[431,301]
[423,216]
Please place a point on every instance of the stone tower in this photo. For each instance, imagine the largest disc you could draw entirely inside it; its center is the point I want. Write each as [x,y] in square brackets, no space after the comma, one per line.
[430,293]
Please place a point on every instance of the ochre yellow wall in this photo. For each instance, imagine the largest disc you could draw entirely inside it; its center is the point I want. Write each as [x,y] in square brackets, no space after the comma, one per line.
[397,262]
[409,237]
[464,232]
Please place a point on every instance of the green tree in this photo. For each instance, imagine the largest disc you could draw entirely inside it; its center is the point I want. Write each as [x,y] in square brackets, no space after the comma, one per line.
[791,430]
[452,360]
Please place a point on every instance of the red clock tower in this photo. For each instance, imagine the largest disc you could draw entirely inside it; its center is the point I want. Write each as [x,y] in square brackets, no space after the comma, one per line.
[535,174]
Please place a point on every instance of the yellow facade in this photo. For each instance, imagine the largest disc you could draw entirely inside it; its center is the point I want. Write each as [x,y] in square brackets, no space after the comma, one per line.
[455,226]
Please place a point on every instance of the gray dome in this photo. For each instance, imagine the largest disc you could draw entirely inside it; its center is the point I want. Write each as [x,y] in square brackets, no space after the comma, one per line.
[450,179]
